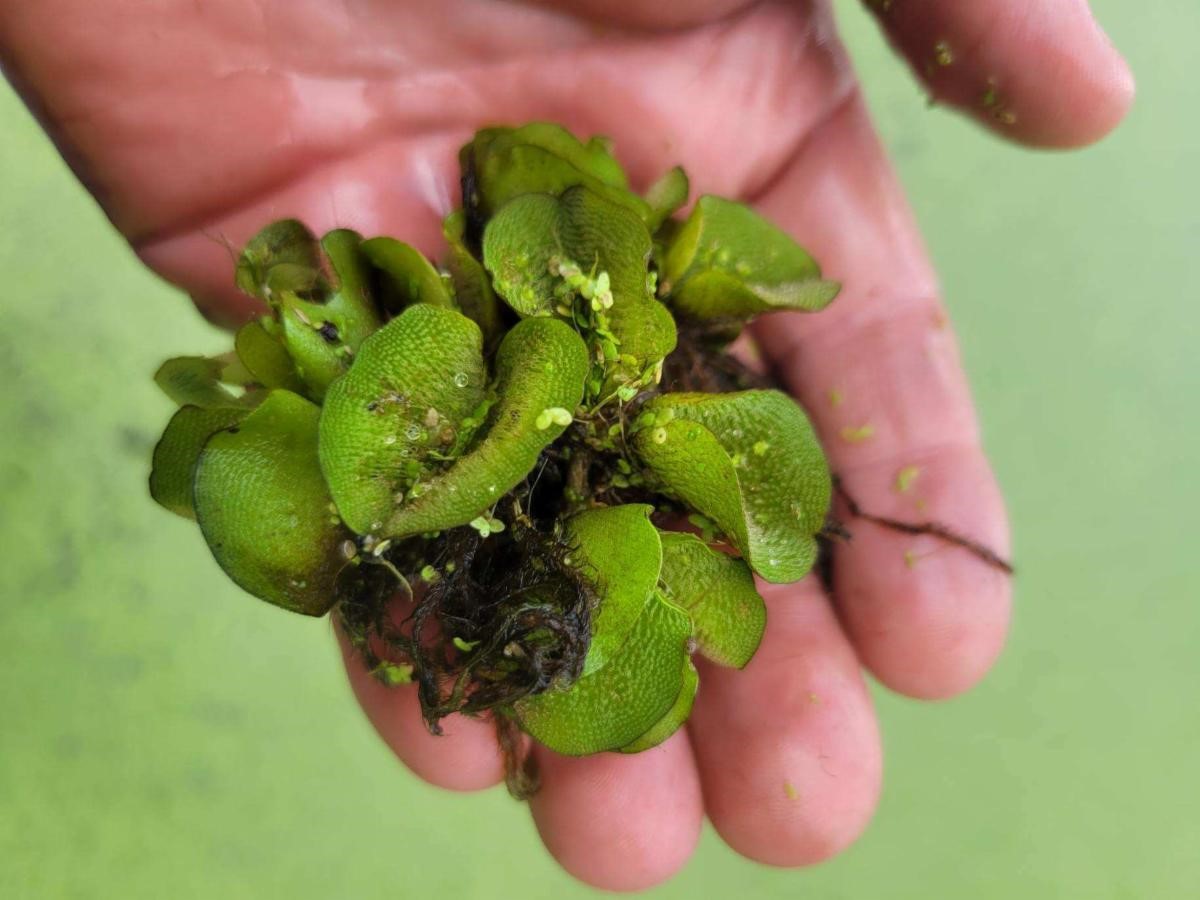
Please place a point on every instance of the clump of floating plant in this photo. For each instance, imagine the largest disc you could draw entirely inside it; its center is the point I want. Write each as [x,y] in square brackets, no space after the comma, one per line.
[517,439]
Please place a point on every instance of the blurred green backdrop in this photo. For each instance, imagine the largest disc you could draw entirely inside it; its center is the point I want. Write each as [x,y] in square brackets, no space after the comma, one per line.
[161,735]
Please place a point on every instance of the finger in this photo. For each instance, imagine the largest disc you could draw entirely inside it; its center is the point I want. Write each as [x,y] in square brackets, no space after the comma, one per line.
[787,748]
[879,373]
[465,757]
[1042,72]
[649,14]
[620,822]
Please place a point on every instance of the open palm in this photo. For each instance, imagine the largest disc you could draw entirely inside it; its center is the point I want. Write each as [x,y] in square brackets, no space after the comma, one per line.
[196,123]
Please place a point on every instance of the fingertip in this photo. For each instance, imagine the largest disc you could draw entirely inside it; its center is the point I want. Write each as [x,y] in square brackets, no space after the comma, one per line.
[1042,73]
[929,618]
[796,782]
[822,801]
[948,629]
[1074,97]
[620,822]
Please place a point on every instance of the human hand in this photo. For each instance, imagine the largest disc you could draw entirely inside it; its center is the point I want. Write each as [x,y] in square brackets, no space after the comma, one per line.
[195,124]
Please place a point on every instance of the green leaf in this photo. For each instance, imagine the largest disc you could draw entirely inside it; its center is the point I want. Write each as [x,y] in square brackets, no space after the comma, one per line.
[400,407]
[541,363]
[717,591]
[531,234]
[622,701]
[620,552]
[178,449]
[676,715]
[265,357]
[283,256]
[472,285]
[518,245]
[408,276]
[265,511]
[729,262]
[348,299]
[196,381]
[323,334]
[666,196]
[539,158]
[320,293]
[749,461]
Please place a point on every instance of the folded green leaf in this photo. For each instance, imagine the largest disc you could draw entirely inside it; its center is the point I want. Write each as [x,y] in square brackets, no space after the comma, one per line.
[726,261]
[619,550]
[265,511]
[472,285]
[622,701]
[534,239]
[666,196]
[402,408]
[178,449]
[407,275]
[676,715]
[751,463]
[320,293]
[197,381]
[323,334]
[284,256]
[541,364]
[348,294]
[717,591]
[265,357]
[518,246]
[539,158]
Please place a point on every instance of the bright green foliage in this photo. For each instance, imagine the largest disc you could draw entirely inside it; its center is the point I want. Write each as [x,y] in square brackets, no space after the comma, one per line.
[319,292]
[518,245]
[727,262]
[619,550]
[750,462]
[717,591]
[282,257]
[473,291]
[178,449]
[666,196]
[265,511]
[196,380]
[618,703]
[541,250]
[409,277]
[540,364]
[401,411]
[675,716]
[541,158]
[266,358]
[490,436]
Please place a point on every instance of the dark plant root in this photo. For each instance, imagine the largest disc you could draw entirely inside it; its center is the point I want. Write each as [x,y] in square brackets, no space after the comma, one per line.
[508,616]
[505,616]
[700,363]
[521,775]
[936,529]
[474,218]
[512,619]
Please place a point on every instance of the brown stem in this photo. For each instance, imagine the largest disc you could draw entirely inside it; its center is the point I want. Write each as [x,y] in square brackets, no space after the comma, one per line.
[577,473]
[936,529]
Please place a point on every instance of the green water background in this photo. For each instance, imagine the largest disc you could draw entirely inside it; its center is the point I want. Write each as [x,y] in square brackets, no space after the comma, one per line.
[163,736]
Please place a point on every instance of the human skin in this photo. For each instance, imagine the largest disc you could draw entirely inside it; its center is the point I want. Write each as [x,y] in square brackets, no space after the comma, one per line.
[194,124]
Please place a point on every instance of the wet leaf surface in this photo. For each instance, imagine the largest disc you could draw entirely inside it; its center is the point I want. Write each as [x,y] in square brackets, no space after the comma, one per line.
[749,461]
[265,510]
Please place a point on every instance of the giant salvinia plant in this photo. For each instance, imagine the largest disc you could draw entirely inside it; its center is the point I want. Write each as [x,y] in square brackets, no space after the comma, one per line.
[517,440]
